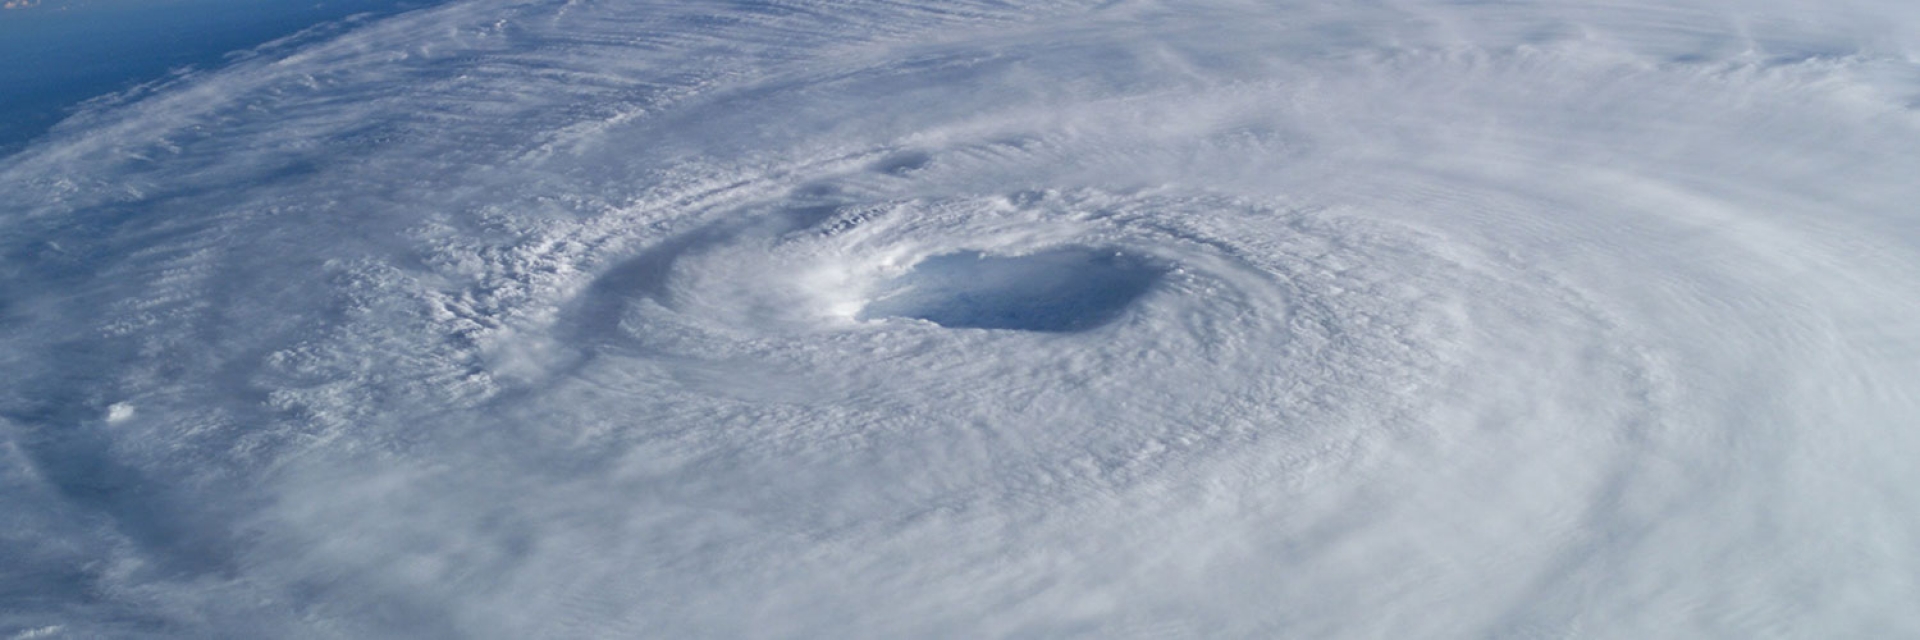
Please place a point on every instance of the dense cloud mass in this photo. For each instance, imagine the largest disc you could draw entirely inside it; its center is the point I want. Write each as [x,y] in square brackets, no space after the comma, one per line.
[1404,318]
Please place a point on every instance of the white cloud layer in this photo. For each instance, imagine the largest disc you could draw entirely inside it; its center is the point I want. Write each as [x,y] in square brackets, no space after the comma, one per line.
[624,319]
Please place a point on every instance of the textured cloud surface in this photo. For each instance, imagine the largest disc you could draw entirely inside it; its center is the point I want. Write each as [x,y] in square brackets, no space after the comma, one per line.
[980,319]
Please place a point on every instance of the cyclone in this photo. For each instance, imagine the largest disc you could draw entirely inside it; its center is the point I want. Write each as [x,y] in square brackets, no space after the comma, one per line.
[979,319]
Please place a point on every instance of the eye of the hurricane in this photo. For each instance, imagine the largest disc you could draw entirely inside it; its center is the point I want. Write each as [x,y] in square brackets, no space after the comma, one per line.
[1059,290]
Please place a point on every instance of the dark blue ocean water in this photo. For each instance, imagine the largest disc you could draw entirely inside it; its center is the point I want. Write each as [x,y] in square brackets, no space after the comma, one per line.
[60,53]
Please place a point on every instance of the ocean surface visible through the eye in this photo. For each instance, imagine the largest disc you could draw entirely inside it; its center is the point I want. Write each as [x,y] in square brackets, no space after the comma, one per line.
[57,54]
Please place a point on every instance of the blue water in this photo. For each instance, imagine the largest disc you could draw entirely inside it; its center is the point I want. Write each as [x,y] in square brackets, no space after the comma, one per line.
[61,53]
[1061,290]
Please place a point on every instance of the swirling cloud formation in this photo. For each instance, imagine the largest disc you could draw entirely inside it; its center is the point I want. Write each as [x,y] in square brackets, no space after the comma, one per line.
[980,319]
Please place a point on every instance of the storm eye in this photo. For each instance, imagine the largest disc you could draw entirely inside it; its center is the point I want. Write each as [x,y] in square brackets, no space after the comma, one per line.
[1057,291]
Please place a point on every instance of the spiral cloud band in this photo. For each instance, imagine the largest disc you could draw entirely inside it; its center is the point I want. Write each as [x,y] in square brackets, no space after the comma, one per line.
[1409,318]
